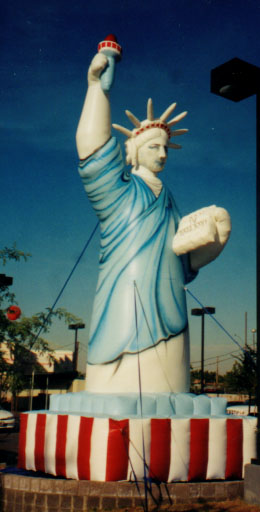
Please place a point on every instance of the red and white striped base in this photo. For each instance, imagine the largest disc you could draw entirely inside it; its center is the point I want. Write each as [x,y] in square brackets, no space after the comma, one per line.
[179,449]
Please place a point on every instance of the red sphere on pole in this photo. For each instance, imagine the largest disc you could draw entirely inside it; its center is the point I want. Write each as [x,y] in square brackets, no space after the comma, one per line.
[13,313]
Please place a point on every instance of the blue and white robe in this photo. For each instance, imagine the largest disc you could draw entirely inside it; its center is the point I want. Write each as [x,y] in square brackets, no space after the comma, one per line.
[137,230]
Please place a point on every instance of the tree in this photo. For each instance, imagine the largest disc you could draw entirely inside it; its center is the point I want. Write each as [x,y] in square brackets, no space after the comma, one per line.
[210,379]
[23,336]
[243,376]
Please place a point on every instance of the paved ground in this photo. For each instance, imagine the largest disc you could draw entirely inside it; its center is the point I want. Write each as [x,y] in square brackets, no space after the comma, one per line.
[225,506]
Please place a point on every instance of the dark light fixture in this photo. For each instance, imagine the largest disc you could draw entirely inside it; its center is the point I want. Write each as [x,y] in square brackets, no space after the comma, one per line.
[235,80]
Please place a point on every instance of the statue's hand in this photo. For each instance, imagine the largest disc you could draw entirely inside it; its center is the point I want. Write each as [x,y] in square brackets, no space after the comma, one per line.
[96,67]
[203,234]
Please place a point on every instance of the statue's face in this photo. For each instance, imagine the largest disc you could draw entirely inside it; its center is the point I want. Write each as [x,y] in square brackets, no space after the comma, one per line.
[153,153]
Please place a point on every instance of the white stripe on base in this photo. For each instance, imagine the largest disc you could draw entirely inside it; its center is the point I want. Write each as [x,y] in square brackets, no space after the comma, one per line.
[180,450]
[50,443]
[217,449]
[30,441]
[249,440]
[72,447]
[139,436]
[98,450]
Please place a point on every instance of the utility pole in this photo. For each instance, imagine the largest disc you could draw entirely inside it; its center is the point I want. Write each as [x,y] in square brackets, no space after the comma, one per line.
[253,331]
[217,374]
[31,391]
[245,331]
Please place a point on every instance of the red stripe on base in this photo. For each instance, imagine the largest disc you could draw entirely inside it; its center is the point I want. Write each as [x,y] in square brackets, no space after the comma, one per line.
[84,445]
[160,449]
[117,450]
[61,439]
[40,442]
[234,461]
[22,441]
[199,439]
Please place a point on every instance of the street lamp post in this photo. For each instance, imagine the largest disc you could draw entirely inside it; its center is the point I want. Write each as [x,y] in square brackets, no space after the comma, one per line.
[202,312]
[76,327]
[236,80]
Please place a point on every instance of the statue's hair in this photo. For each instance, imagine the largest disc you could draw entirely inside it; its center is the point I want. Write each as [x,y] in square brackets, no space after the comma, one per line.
[149,129]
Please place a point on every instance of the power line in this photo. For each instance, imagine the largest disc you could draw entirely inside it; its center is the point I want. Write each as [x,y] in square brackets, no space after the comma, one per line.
[214,363]
[60,347]
[219,355]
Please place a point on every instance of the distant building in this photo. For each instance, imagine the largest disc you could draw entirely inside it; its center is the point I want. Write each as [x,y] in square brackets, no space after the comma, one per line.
[48,373]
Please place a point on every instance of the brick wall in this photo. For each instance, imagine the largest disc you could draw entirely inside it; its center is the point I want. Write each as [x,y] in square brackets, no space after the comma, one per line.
[33,494]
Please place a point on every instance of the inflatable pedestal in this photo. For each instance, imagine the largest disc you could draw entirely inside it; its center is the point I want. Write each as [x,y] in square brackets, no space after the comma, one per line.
[165,437]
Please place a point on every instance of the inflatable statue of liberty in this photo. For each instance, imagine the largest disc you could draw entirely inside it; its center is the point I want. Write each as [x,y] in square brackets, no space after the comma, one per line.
[139,329]
[136,418]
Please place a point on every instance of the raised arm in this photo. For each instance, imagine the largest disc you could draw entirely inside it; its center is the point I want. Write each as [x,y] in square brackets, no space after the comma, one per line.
[94,128]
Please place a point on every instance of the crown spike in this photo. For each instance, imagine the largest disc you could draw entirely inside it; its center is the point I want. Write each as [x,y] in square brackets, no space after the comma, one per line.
[123,130]
[150,122]
[179,132]
[150,114]
[133,119]
[174,146]
[177,118]
[168,111]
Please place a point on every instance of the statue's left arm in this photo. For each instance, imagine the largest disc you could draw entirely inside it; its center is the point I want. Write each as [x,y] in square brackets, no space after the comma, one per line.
[203,234]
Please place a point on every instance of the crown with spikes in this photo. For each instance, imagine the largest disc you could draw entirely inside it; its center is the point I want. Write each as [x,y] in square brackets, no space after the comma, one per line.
[150,122]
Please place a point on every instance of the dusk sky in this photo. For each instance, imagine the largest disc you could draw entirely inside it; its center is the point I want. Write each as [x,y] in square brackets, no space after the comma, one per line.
[169,49]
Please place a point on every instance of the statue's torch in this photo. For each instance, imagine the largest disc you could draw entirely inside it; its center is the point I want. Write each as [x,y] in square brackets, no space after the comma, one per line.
[113,52]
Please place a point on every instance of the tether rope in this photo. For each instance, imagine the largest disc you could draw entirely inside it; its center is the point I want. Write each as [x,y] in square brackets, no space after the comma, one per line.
[65,284]
[203,307]
[160,362]
[141,400]
[151,336]
[215,319]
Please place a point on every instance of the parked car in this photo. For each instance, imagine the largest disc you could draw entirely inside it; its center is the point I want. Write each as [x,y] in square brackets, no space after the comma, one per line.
[7,419]
[243,409]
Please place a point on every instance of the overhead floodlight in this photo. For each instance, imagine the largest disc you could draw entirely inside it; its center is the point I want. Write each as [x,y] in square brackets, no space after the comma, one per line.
[235,80]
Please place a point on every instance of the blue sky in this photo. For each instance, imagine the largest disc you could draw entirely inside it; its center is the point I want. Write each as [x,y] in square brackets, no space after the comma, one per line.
[169,49]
